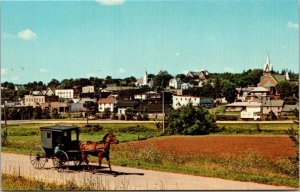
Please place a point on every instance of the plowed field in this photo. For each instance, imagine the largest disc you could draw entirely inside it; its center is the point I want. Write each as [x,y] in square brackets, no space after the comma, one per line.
[268,147]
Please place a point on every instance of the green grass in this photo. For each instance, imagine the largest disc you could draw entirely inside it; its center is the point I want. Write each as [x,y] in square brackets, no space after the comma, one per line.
[219,109]
[252,128]
[13,182]
[24,137]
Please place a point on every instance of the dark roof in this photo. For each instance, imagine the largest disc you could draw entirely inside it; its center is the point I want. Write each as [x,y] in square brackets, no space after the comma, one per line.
[127,103]
[152,108]
[272,103]
[279,77]
[289,108]
[58,128]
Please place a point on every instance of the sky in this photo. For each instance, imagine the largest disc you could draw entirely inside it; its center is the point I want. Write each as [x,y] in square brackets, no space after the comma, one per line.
[42,40]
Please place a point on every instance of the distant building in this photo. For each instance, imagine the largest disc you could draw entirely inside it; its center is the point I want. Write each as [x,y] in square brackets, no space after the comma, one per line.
[65,93]
[201,75]
[109,102]
[244,106]
[180,100]
[186,85]
[88,89]
[269,80]
[175,83]
[36,100]
[272,105]
[145,80]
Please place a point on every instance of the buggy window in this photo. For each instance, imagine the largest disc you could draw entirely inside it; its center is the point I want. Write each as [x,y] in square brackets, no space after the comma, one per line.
[73,136]
[48,135]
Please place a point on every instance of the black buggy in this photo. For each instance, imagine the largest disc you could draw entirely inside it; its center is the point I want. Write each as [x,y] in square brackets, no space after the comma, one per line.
[59,143]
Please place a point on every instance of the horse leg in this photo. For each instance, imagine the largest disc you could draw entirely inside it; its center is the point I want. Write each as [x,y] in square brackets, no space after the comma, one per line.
[108,162]
[100,154]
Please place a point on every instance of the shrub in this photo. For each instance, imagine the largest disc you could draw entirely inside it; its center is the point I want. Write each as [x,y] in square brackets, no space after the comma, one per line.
[226,118]
[96,128]
[139,117]
[191,120]
[114,117]
[122,117]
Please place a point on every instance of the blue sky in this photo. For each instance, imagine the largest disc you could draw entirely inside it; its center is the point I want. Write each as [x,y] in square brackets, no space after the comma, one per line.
[41,40]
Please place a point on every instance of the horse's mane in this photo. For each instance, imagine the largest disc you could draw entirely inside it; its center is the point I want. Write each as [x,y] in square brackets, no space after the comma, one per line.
[104,138]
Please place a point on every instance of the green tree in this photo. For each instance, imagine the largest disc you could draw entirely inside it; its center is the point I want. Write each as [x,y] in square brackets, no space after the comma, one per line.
[54,113]
[189,120]
[162,79]
[53,84]
[37,113]
[287,89]
[106,113]
[129,114]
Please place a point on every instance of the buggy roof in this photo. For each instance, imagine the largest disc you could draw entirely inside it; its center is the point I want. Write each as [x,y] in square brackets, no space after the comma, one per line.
[58,128]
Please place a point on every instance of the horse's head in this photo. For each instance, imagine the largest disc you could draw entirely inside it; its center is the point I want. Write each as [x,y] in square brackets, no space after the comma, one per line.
[111,138]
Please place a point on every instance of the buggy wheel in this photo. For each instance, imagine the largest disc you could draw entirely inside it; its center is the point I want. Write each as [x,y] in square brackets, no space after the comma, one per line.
[61,160]
[38,157]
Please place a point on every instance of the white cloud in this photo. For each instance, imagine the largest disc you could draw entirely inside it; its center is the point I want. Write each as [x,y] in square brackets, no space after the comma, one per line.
[27,34]
[121,70]
[292,25]
[228,69]
[110,2]
[185,71]
[43,70]
[3,71]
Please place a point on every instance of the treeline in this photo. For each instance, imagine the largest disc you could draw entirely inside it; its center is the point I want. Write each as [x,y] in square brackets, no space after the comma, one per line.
[216,85]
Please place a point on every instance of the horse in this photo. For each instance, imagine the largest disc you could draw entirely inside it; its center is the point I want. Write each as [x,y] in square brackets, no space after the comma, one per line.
[99,149]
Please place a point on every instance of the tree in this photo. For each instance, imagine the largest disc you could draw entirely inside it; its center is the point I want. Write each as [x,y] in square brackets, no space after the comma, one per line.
[53,84]
[37,113]
[54,113]
[189,120]
[162,79]
[287,89]
[129,114]
[229,91]
[106,113]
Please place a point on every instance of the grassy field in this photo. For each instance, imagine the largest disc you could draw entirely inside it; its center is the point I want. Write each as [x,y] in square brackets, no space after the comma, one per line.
[249,167]
[250,128]
[237,162]
[22,137]
[12,182]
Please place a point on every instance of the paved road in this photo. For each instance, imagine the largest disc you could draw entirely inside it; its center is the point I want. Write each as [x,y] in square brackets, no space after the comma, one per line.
[119,121]
[130,179]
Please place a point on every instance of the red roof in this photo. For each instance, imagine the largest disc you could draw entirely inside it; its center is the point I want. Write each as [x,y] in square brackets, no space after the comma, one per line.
[107,100]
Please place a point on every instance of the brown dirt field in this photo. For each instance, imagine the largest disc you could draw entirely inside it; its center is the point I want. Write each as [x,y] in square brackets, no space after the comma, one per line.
[217,146]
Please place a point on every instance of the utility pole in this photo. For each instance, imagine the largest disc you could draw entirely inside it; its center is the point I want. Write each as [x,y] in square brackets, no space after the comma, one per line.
[163,108]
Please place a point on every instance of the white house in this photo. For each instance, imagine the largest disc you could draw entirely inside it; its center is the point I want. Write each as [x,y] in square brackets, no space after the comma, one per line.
[179,100]
[65,93]
[109,102]
[175,83]
[186,85]
[88,89]
[244,106]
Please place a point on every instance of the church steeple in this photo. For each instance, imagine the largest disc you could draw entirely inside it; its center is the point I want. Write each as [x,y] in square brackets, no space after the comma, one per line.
[268,65]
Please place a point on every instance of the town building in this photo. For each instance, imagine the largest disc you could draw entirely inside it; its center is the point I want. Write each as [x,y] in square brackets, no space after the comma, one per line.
[175,83]
[65,93]
[88,89]
[272,105]
[109,102]
[180,100]
[269,80]
[36,100]
[244,106]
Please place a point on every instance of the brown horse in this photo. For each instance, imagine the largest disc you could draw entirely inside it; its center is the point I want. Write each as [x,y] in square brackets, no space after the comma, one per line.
[99,149]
